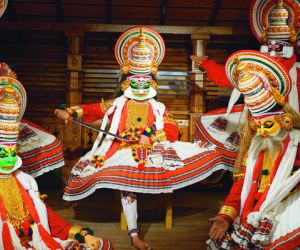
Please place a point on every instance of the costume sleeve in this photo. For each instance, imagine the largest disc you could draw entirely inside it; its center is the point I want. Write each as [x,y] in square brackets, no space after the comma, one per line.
[169,132]
[170,127]
[91,112]
[287,62]
[216,73]
[59,228]
[231,206]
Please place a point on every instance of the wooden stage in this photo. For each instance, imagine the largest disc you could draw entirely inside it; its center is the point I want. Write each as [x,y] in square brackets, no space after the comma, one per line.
[192,207]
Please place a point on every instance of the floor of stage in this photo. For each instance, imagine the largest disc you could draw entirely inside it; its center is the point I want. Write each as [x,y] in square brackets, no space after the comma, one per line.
[191,209]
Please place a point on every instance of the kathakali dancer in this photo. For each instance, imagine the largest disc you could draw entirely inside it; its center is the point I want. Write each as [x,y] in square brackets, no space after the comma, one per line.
[255,214]
[274,24]
[148,158]
[26,222]
[260,212]
[40,151]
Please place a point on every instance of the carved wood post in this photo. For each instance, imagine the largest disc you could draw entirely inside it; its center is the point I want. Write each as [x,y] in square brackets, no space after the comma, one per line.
[72,132]
[197,101]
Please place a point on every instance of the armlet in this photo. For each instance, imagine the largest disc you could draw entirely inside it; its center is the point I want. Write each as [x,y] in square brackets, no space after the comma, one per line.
[169,119]
[237,176]
[105,104]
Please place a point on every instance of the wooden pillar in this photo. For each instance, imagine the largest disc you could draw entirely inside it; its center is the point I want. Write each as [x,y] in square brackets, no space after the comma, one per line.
[74,67]
[169,212]
[197,101]
[72,132]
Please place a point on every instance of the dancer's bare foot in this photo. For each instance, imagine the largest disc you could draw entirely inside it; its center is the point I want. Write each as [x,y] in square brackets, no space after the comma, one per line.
[140,244]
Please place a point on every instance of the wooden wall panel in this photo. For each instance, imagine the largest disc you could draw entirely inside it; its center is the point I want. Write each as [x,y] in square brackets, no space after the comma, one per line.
[191,4]
[134,3]
[137,12]
[35,8]
[186,14]
[80,2]
[84,10]
[41,68]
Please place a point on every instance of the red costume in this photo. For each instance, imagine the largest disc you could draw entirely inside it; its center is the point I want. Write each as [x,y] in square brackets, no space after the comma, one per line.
[95,111]
[25,221]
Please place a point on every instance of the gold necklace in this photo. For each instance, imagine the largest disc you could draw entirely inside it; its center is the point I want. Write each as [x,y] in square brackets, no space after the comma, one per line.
[5,176]
[137,114]
[268,164]
[13,200]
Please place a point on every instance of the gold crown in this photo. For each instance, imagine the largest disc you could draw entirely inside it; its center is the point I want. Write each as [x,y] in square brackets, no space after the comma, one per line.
[277,25]
[9,114]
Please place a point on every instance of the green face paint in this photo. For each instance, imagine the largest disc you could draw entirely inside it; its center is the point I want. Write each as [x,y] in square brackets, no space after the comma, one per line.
[8,157]
[134,84]
[140,87]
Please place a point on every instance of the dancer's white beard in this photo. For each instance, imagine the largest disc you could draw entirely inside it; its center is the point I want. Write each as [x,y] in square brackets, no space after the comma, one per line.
[270,143]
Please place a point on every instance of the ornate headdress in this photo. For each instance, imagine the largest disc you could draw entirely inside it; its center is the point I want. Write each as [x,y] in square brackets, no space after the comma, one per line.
[274,24]
[139,51]
[274,20]
[12,104]
[263,81]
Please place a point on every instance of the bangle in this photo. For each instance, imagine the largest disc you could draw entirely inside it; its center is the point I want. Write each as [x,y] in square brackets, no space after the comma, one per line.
[229,211]
[79,236]
[159,136]
[74,230]
[77,110]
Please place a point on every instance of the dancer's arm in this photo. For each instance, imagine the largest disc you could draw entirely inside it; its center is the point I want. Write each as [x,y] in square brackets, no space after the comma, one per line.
[87,112]
[63,230]
[215,72]
[228,211]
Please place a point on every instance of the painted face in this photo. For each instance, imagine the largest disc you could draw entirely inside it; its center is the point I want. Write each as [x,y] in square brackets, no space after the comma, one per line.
[8,157]
[267,126]
[278,49]
[140,88]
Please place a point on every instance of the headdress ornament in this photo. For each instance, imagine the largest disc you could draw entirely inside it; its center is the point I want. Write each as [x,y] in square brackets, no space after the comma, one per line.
[274,20]
[263,81]
[12,104]
[139,51]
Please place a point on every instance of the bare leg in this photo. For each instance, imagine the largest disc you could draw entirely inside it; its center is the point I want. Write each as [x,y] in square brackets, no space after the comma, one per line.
[129,204]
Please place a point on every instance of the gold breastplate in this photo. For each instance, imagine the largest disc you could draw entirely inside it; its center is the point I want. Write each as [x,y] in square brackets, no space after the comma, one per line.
[268,164]
[13,201]
[137,114]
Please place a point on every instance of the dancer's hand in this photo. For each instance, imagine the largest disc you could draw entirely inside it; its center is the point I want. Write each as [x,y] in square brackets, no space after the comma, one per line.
[140,244]
[144,140]
[197,60]
[92,242]
[63,115]
[219,228]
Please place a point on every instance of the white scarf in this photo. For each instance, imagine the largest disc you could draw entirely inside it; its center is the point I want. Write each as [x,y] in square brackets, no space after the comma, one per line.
[117,107]
[282,184]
